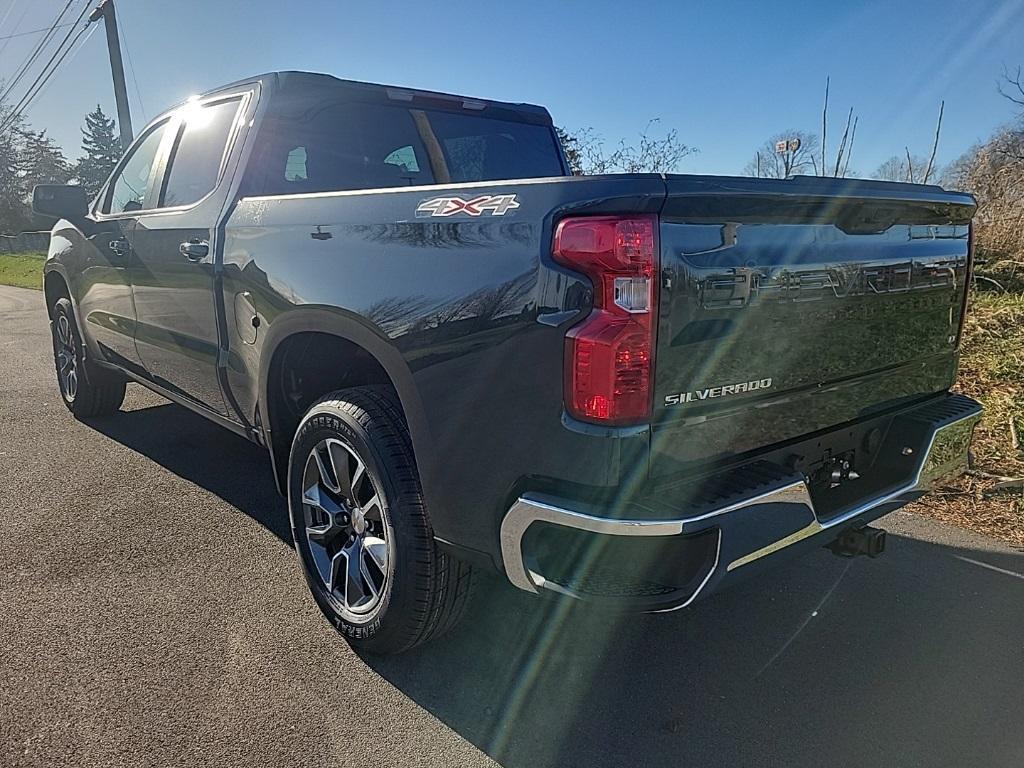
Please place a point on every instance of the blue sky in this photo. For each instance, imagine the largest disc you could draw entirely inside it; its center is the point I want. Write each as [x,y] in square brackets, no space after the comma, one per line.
[726,75]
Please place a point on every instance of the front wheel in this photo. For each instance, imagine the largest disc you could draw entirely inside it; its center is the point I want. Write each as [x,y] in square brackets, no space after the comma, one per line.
[361,527]
[86,389]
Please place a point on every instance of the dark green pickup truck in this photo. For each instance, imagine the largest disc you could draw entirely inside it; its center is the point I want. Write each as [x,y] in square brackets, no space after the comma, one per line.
[629,389]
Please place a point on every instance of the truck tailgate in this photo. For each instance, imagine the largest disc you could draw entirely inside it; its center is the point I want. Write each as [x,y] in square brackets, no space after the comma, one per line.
[794,305]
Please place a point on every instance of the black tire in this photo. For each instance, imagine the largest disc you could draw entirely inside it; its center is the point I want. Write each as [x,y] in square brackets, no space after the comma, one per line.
[419,592]
[87,389]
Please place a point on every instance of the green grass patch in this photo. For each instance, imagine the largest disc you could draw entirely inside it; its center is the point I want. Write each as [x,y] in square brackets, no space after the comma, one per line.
[23,270]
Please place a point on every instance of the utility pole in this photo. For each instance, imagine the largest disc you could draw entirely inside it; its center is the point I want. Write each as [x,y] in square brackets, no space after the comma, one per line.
[124,118]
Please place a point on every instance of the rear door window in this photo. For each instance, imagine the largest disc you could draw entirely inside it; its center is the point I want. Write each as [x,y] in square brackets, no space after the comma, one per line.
[195,162]
[354,145]
[344,146]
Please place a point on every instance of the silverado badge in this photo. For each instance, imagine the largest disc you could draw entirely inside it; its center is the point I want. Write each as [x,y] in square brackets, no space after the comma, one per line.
[723,391]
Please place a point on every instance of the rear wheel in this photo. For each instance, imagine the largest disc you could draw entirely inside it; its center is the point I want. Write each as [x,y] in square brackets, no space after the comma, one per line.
[87,389]
[361,527]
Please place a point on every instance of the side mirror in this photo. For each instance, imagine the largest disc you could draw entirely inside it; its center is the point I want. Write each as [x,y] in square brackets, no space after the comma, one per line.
[60,201]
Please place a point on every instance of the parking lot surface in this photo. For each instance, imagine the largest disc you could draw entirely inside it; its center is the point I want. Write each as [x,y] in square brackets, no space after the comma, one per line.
[152,614]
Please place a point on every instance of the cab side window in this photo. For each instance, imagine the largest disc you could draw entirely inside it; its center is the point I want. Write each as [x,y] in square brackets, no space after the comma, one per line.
[195,161]
[339,146]
[127,190]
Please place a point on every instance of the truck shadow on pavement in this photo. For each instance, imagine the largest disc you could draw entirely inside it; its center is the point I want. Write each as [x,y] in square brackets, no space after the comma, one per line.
[912,659]
[192,447]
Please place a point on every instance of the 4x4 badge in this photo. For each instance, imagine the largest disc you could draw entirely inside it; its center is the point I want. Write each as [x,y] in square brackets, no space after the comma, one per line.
[495,205]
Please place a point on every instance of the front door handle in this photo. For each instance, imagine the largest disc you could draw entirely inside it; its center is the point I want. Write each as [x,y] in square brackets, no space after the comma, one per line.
[120,247]
[195,249]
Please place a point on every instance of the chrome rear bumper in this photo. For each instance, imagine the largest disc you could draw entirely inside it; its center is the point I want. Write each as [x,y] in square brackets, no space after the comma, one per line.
[789,501]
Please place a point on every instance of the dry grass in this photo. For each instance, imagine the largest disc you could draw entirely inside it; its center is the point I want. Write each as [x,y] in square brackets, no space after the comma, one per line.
[992,371]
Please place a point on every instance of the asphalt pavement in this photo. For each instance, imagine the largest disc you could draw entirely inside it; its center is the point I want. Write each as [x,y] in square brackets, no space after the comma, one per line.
[152,614]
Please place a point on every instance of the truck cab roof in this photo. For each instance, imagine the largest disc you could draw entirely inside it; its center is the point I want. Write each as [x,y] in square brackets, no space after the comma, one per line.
[315,85]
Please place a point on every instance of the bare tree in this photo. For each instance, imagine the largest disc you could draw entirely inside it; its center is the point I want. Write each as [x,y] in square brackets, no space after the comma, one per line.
[771,164]
[587,155]
[842,163]
[572,147]
[849,150]
[935,145]
[1012,86]
[912,168]
[896,168]
[994,173]
[843,148]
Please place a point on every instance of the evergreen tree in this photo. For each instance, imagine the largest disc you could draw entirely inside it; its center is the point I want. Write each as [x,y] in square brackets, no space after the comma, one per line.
[42,161]
[102,151]
[571,147]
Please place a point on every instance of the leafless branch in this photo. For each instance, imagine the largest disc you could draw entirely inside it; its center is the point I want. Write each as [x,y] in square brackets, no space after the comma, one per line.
[824,127]
[1012,484]
[910,167]
[935,144]
[650,154]
[798,157]
[842,144]
[1013,83]
[982,474]
[849,151]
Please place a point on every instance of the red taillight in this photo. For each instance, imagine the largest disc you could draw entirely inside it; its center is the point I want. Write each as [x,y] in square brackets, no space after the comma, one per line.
[609,357]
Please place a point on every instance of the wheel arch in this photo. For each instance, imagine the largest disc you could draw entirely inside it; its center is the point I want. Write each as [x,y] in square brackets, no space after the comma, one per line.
[56,286]
[369,357]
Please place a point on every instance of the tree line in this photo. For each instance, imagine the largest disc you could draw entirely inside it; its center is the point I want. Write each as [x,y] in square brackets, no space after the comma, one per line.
[993,171]
[29,157]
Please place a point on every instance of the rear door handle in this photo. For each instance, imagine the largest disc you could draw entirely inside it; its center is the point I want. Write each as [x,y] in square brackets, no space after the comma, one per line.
[195,249]
[120,246]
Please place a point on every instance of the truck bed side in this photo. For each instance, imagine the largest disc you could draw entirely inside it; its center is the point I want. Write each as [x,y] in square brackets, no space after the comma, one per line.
[467,314]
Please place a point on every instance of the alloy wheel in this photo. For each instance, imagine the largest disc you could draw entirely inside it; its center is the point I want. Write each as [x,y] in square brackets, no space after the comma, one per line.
[67,359]
[346,528]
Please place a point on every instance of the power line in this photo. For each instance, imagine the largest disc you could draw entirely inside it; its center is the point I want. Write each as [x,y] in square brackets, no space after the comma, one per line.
[35,53]
[88,32]
[7,13]
[47,71]
[34,31]
[42,79]
[17,24]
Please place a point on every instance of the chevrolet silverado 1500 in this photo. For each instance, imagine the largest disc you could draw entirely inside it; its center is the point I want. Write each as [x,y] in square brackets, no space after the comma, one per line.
[631,389]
